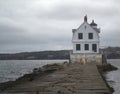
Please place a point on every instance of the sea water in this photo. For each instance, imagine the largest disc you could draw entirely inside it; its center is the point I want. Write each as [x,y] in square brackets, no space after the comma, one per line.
[113,77]
[12,69]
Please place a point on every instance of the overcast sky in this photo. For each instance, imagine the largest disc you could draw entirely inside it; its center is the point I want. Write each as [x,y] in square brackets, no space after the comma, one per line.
[37,25]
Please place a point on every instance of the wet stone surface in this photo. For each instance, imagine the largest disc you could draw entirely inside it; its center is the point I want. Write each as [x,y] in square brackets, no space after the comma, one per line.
[71,79]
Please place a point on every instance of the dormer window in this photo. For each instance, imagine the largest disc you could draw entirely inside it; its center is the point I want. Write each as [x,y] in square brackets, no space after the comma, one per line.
[80,35]
[90,35]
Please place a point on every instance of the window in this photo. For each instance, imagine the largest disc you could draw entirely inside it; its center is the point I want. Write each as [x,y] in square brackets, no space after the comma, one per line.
[90,35]
[80,35]
[78,47]
[94,47]
[86,46]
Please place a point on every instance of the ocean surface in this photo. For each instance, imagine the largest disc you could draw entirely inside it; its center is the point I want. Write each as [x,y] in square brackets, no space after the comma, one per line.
[113,77]
[12,69]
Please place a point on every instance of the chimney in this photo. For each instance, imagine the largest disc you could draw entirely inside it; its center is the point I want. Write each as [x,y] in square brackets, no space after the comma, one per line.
[85,18]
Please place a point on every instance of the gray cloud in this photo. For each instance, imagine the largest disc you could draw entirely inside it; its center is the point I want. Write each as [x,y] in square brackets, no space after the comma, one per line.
[34,25]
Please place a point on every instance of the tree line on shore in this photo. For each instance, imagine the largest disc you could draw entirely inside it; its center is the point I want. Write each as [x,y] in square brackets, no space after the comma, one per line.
[61,54]
[109,52]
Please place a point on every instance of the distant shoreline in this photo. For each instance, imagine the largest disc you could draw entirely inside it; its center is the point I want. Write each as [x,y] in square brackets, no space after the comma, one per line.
[109,52]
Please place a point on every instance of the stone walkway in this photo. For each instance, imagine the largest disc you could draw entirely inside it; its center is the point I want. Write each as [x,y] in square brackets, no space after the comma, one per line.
[73,79]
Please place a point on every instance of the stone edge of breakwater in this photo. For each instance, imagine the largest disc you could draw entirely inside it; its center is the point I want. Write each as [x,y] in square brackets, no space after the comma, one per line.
[50,68]
[103,68]
[37,72]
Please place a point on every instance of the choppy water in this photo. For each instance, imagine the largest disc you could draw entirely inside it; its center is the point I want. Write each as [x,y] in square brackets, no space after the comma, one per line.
[12,69]
[113,77]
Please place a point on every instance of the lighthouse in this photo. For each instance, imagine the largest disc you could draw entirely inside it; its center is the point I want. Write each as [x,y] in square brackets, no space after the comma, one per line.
[85,41]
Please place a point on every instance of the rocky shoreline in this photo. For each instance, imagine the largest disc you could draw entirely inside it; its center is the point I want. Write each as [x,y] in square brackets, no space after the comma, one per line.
[105,68]
[48,69]
[37,72]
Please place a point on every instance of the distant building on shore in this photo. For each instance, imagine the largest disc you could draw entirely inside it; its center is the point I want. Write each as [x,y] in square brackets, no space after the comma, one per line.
[85,42]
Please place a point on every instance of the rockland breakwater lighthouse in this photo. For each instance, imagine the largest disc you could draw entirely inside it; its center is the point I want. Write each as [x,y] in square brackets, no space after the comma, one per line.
[85,42]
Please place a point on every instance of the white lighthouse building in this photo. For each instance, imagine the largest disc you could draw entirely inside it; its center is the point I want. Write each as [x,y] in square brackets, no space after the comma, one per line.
[85,42]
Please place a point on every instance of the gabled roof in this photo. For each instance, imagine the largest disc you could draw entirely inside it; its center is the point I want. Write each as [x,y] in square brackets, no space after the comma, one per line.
[90,25]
